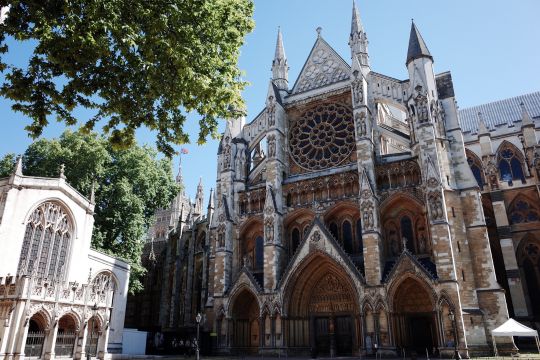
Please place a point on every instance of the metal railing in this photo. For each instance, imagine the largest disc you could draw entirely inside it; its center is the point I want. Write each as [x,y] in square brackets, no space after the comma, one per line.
[34,343]
[65,343]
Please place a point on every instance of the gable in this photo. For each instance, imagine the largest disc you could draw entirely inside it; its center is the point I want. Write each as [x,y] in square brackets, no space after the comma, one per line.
[323,67]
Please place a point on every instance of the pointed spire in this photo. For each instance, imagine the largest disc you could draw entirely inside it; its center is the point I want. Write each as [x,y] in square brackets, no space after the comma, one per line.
[280,67]
[18,166]
[211,200]
[525,116]
[199,198]
[482,128]
[417,46]
[358,41]
[280,50]
[356,24]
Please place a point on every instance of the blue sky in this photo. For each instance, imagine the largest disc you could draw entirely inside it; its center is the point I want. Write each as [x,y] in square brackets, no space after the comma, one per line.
[490,46]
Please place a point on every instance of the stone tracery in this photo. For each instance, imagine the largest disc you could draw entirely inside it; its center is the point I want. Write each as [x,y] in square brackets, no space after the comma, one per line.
[322,137]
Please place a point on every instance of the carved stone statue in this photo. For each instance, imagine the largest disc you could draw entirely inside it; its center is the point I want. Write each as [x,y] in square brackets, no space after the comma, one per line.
[271,146]
[240,164]
[271,111]
[357,90]
[269,229]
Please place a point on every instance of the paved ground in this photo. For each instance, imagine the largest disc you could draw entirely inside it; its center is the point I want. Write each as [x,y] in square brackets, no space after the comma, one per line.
[522,356]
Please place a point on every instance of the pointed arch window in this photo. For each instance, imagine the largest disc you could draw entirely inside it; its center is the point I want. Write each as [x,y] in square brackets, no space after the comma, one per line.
[359,236]
[347,236]
[510,165]
[334,230]
[259,253]
[46,242]
[476,168]
[407,232]
[522,211]
[295,240]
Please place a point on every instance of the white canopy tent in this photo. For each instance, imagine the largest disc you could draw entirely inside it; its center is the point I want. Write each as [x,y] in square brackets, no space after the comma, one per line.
[512,328]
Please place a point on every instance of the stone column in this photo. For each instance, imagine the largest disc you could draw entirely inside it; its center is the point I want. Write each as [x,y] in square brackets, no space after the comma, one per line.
[50,341]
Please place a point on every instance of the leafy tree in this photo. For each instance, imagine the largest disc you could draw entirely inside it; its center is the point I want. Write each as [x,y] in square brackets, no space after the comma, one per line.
[7,164]
[130,184]
[132,62]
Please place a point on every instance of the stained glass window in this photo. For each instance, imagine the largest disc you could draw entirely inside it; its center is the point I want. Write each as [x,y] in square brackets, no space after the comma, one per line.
[46,242]
[510,166]
[347,237]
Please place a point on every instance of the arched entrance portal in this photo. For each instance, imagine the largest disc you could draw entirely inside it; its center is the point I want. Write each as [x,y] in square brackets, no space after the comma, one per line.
[66,336]
[245,317]
[36,335]
[415,317]
[322,310]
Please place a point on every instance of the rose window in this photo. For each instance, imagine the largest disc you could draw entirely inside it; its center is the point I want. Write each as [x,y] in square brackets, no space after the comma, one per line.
[322,137]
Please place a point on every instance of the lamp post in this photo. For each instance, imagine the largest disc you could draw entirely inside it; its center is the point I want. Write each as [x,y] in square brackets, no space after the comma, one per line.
[94,312]
[452,317]
[198,318]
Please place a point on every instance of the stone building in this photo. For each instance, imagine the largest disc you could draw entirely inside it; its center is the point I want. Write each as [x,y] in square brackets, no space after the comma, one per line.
[58,297]
[357,212]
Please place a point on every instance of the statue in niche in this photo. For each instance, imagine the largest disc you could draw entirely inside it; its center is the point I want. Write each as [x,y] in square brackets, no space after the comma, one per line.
[239,164]
[436,207]
[357,89]
[361,124]
[422,111]
[226,154]
[271,111]
[404,242]
[271,146]
[269,229]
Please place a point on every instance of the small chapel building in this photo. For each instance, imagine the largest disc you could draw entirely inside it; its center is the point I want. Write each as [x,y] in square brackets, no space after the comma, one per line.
[58,297]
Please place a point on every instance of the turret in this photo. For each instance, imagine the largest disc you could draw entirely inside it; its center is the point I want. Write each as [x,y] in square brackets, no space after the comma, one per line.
[280,68]
[199,199]
[358,41]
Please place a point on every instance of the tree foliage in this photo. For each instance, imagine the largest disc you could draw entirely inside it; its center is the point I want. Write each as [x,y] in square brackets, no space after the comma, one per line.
[130,184]
[132,62]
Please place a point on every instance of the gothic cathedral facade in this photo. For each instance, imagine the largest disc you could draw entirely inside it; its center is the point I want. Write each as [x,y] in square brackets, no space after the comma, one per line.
[356,212]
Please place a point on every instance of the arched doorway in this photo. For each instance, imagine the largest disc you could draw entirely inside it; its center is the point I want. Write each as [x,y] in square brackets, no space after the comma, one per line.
[322,309]
[36,335]
[245,317]
[66,336]
[414,317]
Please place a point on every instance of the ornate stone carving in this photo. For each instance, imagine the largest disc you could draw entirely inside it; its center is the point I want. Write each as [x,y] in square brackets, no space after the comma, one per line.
[269,229]
[357,90]
[271,145]
[491,170]
[436,206]
[322,68]
[271,111]
[322,137]
[316,236]
[368,216]
[240,164]
[361,124]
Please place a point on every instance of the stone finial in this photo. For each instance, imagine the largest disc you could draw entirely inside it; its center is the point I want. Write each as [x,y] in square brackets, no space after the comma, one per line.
[318,30]
[18,166]
[93,192]
[482,128]
[525,116]
[62,171]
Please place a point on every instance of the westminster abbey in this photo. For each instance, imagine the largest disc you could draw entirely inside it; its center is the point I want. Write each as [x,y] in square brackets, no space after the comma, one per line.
[355,213]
